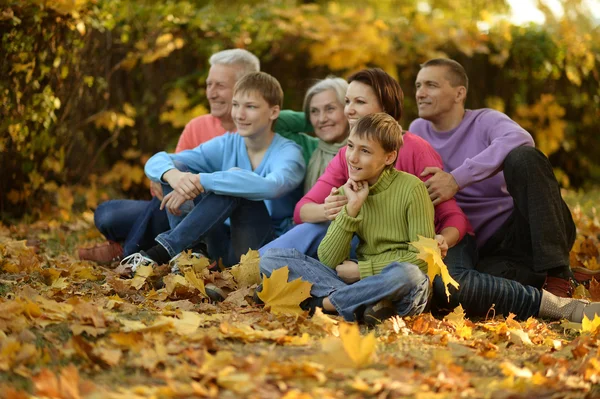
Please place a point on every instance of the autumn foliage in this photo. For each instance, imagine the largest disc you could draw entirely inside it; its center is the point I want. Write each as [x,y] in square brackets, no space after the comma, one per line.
[88,92]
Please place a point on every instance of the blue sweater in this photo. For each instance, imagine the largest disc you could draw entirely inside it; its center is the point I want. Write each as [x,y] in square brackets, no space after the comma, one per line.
[276,180]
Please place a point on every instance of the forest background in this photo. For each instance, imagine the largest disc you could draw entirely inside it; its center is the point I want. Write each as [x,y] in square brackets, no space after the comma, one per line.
[91,88]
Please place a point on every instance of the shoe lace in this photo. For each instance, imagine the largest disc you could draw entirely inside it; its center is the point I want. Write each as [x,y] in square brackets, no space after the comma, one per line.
[136,259]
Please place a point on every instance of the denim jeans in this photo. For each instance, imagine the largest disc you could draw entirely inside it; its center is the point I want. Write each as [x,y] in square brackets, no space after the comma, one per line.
[305,238]
[250,227]
[478,292]
[402,283]
[132,222]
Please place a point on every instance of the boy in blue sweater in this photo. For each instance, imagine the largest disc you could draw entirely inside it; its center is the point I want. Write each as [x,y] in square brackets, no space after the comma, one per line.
[249,177]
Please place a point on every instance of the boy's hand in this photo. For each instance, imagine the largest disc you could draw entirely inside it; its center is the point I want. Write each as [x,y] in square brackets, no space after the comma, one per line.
[156,190]
[357,192]
[334,203]
[442,244]
[185,183]
[173,202]
[348,271]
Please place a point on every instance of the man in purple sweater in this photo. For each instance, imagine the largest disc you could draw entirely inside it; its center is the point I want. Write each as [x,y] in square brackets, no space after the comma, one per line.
[506,187]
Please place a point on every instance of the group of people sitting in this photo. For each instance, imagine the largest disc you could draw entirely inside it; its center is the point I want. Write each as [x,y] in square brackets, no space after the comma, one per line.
[341,208]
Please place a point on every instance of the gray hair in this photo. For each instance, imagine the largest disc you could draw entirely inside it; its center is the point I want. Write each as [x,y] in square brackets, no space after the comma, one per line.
[244,59]
[338,85]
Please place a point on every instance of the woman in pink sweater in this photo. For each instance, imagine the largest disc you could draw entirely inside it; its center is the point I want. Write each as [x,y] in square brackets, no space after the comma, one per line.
[369,91]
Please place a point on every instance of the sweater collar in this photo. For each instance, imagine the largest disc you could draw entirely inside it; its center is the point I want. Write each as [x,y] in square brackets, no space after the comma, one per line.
[384,181]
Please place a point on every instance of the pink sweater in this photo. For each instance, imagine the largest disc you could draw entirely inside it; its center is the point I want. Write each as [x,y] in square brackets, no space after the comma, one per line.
[199,130]
[414,156]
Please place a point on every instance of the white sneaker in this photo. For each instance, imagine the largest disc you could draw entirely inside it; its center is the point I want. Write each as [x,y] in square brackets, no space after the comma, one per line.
[175,269]
[133,261]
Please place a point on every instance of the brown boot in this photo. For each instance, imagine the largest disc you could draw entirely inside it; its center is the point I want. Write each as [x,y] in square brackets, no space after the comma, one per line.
[559,286]
[104,253]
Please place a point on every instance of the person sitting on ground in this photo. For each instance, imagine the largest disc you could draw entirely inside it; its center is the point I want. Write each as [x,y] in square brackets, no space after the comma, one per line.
[251,177]
[135,223]
[324,108]
[524,229]
[369,91]
[387,209]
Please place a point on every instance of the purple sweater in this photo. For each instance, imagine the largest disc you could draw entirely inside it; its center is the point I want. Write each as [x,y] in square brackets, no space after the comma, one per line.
[473,153]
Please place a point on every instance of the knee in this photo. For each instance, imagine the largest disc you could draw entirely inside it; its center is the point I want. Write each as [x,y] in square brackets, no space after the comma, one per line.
[103,216]
[405,272]
[524,159]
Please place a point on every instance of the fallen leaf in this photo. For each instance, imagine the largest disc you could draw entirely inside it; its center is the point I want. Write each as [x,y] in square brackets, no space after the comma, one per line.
[281,296]
[590,326]
[192,278]
[430,253]
[247,272]
[595,290]
[519,337]
[360,349]
[141,274]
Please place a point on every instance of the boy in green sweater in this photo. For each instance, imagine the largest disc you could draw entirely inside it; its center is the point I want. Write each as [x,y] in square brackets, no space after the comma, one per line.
[386,209]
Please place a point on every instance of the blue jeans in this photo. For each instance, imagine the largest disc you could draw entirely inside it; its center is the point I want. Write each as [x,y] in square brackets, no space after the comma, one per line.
[478,292]
[402,283]
[305,238]
[250,227]
[132,222]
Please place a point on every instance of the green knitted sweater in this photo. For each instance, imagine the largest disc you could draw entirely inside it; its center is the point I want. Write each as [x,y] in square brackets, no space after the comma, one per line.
[396,210]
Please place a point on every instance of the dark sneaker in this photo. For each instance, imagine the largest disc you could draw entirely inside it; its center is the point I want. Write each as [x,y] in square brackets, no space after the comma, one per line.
[559,286]
[311,304]
[255,297]
[104,253]
[215,293]
[378,312]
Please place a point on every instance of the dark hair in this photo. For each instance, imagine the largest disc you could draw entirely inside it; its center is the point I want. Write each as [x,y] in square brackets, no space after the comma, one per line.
[386,88]
[456,73]
[382,128]
[264,84]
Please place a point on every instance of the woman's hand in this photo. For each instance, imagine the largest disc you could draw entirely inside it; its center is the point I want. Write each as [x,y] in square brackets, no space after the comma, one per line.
[442,244]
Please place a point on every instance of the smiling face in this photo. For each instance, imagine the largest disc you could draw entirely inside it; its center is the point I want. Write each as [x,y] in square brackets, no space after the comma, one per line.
[327,117]
[366,158]
[252,114]
[219,89]
[360,101]
[436,98]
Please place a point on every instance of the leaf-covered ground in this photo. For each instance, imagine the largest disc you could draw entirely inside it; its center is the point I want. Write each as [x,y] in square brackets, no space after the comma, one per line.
[72,329]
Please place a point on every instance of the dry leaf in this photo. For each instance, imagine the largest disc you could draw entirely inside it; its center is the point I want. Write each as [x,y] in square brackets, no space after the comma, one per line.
[281,296]
[247,272]
[590,326]
[430,253]
[141,274]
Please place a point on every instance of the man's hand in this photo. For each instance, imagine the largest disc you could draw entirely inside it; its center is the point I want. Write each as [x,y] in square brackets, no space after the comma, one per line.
[441,186]
[173,202]
[442,244]
[156,190]
[185,183]
[334,203]
[348,271]
[357,192]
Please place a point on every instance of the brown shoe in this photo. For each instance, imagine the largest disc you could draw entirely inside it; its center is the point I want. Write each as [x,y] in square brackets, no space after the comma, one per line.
[559,286]
[104,253]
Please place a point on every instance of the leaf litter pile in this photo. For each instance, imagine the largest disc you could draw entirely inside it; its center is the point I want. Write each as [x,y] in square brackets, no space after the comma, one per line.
[73,329]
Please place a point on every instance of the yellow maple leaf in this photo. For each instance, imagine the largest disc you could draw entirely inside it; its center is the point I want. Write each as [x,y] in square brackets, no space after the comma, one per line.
[281,296]
[590,326]
[247,272]
[360,349]
[430,253]
[186,260]
[457,319]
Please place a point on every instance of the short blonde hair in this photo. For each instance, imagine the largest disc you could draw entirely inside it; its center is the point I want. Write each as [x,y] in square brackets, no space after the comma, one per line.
[264,84]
